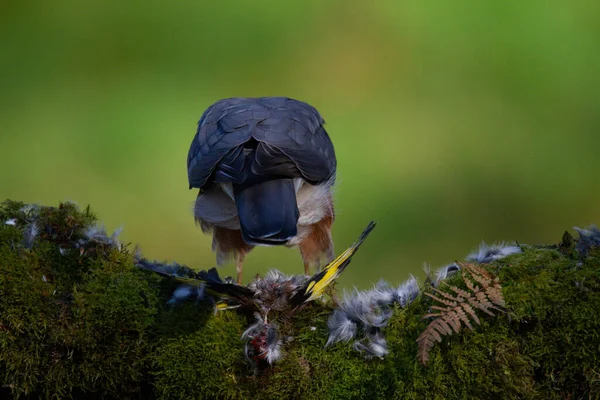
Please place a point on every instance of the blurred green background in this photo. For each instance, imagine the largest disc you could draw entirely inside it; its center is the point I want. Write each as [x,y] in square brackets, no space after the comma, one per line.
[453,122]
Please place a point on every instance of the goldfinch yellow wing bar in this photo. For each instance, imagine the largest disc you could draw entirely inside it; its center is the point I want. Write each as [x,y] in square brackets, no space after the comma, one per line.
[315,286]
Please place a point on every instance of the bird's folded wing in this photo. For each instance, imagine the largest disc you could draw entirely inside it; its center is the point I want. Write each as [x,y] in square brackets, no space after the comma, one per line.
[209,279]
[293,142]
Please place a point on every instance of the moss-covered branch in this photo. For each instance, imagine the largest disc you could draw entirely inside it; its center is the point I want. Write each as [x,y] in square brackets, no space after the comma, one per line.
[79,319]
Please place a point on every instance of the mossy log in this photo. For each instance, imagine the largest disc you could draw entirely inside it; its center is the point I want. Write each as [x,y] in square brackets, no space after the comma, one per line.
[78,319]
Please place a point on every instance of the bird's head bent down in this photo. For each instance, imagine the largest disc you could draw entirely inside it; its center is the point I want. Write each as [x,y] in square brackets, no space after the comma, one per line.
[265,168]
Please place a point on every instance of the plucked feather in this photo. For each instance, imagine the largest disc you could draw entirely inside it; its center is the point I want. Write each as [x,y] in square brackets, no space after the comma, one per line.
[31,232]
[588,239]
[488,253]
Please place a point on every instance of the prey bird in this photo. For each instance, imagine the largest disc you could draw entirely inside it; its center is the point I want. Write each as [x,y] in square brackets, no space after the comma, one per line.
[265,168]
[270,299]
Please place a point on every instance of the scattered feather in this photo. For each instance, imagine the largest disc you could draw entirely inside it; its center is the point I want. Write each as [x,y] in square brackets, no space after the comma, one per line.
[407,292]
[137,252]
[427,269]
[30,234]
[30,210]
[96,232]
[444,272]
[369,312]
[114,238]
[184,292]
[588,239]
[274,343]
[362,308]
[341,327]
[381,294]
[372,346]
[488,253]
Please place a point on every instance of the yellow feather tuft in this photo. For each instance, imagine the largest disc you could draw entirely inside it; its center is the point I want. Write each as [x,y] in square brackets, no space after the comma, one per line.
[321,280]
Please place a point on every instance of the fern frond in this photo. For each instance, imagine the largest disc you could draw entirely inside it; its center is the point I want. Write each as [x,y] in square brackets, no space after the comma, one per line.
[440,329]
[452,320]
[486,296]
[467,307]
[425,345]
[472,287]
[490,283]
[432,315]
[443,301]
[494,293]
[479,270]
[461,292]
[483,300]
[439,308]
[463,317]
[446,295]
[428,338]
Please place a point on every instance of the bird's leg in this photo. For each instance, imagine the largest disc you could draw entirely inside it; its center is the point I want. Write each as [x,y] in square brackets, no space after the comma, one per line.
[239,266]
[317,242]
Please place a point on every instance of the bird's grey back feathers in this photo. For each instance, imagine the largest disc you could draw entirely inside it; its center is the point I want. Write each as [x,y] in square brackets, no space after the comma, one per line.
[268,136]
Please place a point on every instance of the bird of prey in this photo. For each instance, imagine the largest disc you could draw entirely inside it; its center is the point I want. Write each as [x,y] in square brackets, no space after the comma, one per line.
[265,168]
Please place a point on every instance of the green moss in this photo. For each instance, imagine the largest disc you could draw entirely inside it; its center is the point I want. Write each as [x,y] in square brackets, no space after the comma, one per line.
[75,320]
[82,322]
[202,364]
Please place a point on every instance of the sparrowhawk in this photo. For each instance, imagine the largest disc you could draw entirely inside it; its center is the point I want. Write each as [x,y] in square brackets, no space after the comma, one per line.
[265,168]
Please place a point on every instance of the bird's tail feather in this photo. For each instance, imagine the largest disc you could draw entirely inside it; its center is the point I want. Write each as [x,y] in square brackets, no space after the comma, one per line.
[268,211]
